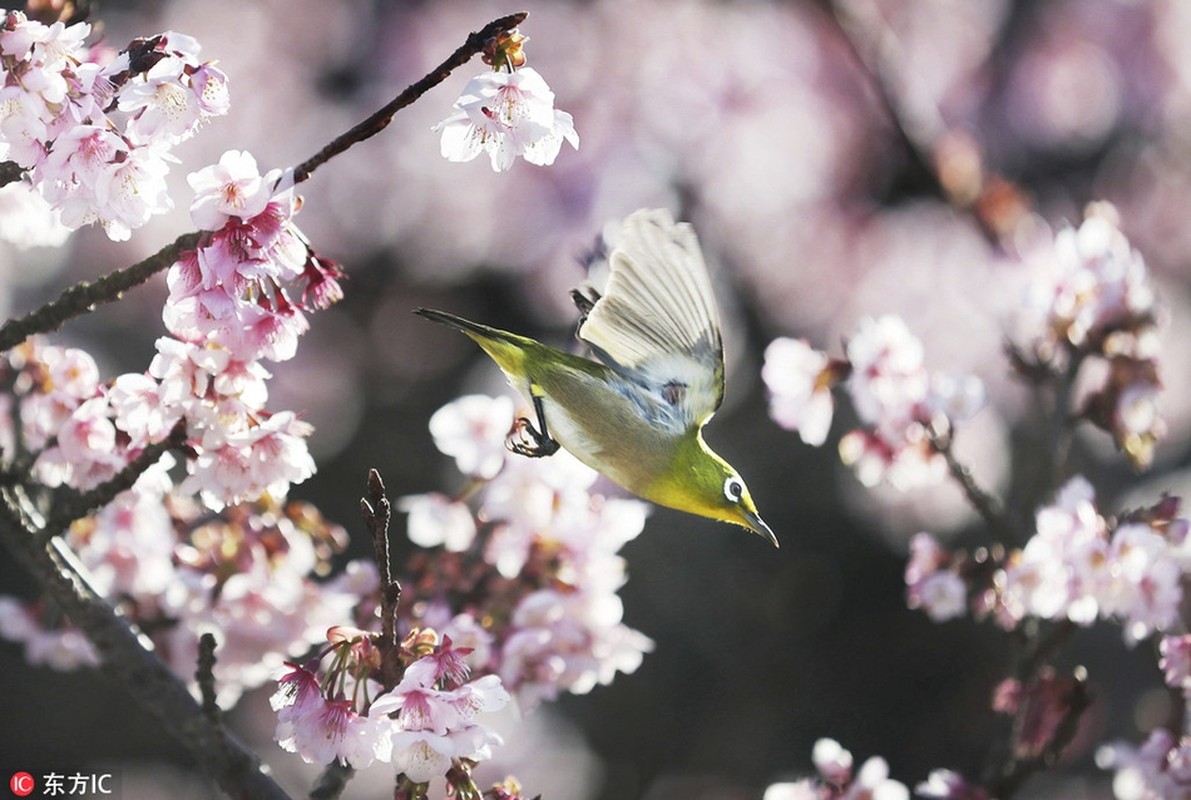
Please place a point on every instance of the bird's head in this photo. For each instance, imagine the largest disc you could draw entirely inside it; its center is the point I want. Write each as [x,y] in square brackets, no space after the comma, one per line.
[700,482]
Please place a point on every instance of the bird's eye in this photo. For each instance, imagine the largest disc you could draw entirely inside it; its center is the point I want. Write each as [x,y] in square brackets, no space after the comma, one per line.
[733,489]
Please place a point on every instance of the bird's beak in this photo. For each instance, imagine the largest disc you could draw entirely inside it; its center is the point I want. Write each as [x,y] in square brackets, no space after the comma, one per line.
[758,526]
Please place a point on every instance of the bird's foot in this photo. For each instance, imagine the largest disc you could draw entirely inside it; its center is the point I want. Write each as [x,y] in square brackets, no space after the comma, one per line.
[525,440]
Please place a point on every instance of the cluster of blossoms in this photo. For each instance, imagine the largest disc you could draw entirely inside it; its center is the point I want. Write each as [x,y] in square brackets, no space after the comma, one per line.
[1077,566]
[528,572]
[1090,297]
[838,781]
[1161,766]
[95,137]
[1088,305]
[507,112]
[429,724]
[249,574]
[512,596]
[229,306]
[901,405]
[247,571]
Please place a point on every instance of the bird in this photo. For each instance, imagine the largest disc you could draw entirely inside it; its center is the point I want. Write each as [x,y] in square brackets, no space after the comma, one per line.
[636,411]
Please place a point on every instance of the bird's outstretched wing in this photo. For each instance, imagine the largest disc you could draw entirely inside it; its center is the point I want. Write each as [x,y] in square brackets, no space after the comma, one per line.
[656,322]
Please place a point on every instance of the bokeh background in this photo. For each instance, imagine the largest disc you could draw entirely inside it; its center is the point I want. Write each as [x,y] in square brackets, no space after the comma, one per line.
[805,140]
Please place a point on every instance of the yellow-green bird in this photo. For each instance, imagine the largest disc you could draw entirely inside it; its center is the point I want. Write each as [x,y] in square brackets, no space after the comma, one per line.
[637,414]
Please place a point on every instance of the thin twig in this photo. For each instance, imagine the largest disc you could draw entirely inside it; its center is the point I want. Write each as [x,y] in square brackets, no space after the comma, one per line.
[987,505]
[204,675]
[921,128]
[381,119]
[1061,427]
[83,297]
[376,512]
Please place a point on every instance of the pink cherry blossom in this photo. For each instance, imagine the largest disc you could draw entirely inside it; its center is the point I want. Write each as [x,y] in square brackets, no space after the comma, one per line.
[1156,769]
[1091,283]
[233,187]
[97,139]
[333,731]
[1176,661]
[435,519]
[799,385]
[472,430]
[506,114]
[930,584]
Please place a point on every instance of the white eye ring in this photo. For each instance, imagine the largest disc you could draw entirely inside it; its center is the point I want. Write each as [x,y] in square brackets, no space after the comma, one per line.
[733,489]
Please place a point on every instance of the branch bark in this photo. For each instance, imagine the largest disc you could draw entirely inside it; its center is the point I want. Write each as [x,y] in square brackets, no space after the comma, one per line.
[83,297]
[128,657]
[381,119]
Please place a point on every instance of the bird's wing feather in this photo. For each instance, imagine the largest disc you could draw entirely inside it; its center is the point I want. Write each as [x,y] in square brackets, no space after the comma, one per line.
[656,322]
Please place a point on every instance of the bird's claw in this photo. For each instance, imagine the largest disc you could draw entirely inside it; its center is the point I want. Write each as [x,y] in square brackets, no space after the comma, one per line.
[525,440]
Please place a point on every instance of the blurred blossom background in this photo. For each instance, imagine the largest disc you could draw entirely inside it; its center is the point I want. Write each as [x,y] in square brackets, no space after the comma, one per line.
[768,126]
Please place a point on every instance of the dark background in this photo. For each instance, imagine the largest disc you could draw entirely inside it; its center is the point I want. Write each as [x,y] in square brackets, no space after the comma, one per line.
[755,121]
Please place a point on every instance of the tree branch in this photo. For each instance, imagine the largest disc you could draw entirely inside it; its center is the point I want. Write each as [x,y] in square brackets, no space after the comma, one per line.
[376,511]
[10,172]
[987,505]
[204,675]
[83,297]
[81,504]
[381,119]
[128,659]
[332,781]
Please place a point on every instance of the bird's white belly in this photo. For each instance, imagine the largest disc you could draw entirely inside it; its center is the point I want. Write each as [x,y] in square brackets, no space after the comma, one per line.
[572,433]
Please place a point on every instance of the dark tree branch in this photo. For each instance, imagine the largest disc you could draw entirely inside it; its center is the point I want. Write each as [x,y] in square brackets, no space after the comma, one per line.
[128,658]
[332,781]
[78,505]
[993,202]
[204,675]
[381,119]
[83,297]
[10,172]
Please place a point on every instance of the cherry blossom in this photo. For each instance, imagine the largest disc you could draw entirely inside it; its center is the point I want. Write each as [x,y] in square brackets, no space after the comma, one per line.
[901,405]
[838,781]
[541,527]
[930,584]
[235,289]
[1160,768]
[1176,661]
[506,114]
[96,138]
[332,731]
[233,187]
[473,429]
[799,383]
[435,519]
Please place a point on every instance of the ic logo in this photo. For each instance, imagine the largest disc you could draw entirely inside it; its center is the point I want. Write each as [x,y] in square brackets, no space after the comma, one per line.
[22,784]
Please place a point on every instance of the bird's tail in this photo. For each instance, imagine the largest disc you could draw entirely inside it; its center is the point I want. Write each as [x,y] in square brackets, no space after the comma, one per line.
[506,349]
